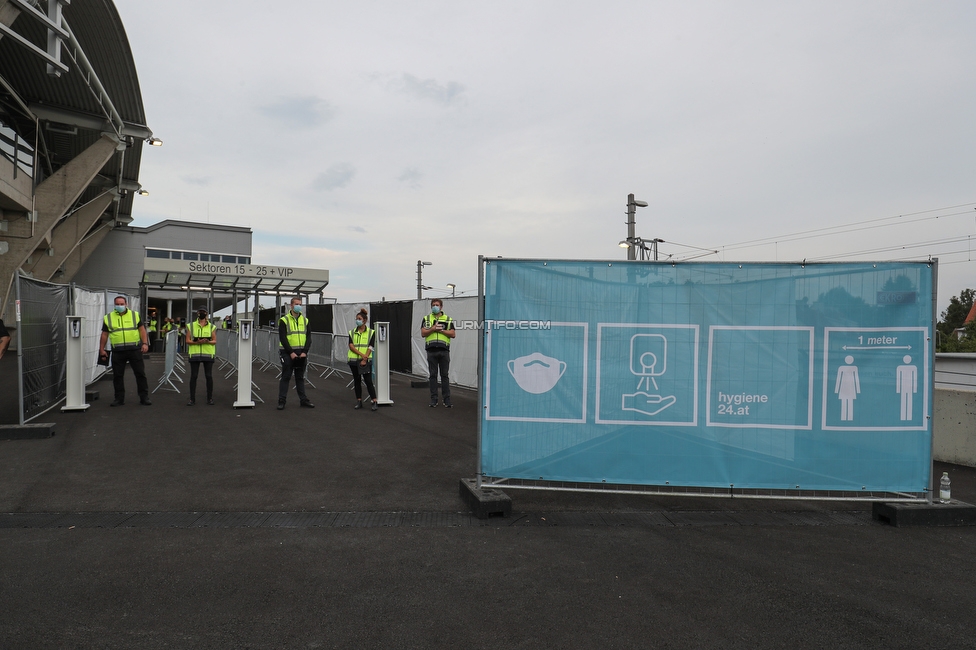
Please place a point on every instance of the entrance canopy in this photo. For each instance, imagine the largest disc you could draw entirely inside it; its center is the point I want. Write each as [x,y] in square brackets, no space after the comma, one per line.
[228,277]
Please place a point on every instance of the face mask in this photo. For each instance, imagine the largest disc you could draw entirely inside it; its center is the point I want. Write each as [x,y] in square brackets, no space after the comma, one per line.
[202,315]
[435,309]
[359,323]
[297,309]
[120,308]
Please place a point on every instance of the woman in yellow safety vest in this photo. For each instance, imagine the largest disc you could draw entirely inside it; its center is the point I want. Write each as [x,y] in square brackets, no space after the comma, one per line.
[361,341]
[201,347]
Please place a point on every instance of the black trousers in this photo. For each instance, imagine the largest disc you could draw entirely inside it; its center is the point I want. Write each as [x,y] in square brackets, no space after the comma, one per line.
[134,359]
[207,373]
[289,365]
[439,360]
[361,374]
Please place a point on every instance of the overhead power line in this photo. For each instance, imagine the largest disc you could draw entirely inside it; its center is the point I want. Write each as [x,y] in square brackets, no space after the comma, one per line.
[867,224]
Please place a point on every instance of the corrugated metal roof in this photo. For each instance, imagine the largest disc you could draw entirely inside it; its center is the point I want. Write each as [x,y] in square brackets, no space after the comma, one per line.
[98,28]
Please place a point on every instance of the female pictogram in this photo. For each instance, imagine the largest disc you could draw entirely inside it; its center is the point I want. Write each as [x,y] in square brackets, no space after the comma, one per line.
[847,387]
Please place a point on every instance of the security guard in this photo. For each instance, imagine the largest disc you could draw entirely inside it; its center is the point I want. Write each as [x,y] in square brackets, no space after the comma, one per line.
[201,347]
[151,330]
[437,328]
[293,340]
[361,342]
[127,333]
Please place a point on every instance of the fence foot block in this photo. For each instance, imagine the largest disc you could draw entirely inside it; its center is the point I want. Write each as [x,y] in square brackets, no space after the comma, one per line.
[957,513]
[485,502]
[91,395]
[26,431]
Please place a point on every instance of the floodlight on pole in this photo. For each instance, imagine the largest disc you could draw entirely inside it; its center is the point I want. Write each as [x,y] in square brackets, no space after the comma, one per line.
[632,205]
[452,287]
[420,278]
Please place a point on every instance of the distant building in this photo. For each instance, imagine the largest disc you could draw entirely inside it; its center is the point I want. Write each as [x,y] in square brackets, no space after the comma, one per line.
[122,254]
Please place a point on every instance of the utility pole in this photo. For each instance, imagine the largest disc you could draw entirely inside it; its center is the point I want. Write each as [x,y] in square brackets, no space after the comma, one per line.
[632,206]
[420,278]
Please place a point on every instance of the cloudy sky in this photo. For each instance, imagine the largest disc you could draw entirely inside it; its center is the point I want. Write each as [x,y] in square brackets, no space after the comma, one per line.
[361,137]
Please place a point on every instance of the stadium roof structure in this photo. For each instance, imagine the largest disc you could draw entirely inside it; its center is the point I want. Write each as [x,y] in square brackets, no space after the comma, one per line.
[72,131]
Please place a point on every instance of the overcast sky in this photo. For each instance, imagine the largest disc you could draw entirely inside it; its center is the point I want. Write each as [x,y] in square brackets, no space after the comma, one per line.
[360,137]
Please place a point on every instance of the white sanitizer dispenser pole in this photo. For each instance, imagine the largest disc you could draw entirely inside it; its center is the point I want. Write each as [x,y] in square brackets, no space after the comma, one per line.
[381,364]
[244,346]
[74,370]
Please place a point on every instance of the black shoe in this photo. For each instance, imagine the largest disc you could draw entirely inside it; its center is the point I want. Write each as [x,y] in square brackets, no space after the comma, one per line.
[448,404]
[433,403]
[192,402]
[307,404]
[210,401]
[118,402]
[145,402]
[358,405]
[281,405]
[374,407]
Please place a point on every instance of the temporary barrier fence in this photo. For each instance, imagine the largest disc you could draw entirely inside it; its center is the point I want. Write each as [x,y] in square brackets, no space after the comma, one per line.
[226,350]
[170,358]
[746,380]
[265,348]
[41,310]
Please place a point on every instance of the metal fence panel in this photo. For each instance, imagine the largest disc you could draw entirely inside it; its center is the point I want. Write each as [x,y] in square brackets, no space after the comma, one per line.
[41,342]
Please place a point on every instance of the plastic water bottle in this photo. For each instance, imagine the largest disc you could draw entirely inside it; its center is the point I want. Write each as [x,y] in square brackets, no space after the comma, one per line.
[944,491]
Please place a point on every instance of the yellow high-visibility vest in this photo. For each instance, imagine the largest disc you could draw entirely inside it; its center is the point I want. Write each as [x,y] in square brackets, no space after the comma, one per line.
[438,336]
[123,329]
[295,328]
[201,350]
[360,341]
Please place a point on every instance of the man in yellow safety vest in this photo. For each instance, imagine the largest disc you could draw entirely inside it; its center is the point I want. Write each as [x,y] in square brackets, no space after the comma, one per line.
[123,328]
[437,328]
[294,340]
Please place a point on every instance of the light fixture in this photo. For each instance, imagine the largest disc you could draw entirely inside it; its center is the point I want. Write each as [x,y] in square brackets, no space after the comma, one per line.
[624,243]
[154,141]
[420,278]
[143,192]
[452,287]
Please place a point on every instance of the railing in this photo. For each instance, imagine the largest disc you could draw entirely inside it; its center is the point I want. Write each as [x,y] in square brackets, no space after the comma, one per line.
[15,149]
[955,371]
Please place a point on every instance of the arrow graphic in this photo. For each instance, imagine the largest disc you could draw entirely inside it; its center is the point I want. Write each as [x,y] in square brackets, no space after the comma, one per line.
[877,347]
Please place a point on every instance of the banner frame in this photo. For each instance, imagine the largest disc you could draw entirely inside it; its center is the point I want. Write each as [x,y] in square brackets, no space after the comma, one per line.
[483,479]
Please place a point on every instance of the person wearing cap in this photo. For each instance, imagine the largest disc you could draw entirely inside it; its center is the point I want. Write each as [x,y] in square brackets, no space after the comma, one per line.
[127,333]
[437,328]
[201,347]
[293,340]
[361,342]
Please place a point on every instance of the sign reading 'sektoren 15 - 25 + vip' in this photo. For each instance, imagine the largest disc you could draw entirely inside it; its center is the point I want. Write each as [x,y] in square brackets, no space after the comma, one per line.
[776,376]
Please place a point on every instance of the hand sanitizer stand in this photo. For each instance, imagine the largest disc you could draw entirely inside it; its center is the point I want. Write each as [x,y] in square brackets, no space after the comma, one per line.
[381,364]
[244,356]
[74,378]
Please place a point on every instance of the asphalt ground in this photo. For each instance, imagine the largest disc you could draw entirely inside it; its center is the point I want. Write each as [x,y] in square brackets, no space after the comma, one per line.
[171,526]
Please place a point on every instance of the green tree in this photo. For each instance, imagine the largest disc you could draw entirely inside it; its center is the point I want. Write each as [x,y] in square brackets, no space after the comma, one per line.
[954,317]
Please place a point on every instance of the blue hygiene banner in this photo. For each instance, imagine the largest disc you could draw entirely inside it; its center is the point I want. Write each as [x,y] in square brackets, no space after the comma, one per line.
[757,376]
